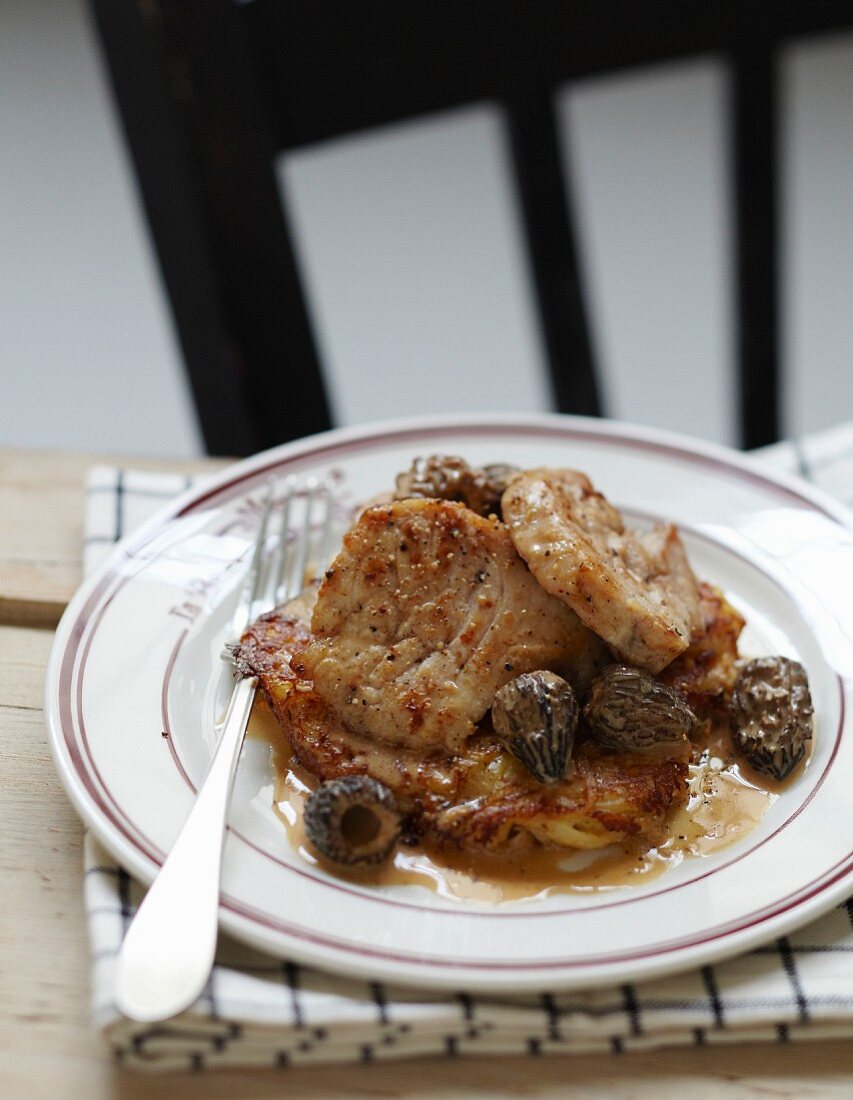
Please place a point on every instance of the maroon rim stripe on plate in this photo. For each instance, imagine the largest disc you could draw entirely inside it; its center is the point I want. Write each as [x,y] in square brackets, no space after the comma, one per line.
[835,874]
[393,437]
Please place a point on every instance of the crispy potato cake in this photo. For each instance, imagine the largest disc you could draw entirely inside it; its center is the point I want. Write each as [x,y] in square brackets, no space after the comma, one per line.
[480,797]
[705,673]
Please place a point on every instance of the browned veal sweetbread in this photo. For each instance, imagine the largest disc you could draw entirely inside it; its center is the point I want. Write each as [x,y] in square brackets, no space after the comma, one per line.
[425,613]
[635,589]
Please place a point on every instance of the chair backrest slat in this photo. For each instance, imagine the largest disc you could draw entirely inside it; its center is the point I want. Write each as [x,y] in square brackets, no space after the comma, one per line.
[754,107]
[538,167]
[210,91]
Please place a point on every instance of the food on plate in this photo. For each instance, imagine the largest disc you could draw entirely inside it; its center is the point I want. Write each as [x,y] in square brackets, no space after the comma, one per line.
[636,590]
[425,613]
[495,664]
[704,674]
[630,711]
[447,477]
[772,714]
[535,716]
[479,798]
[352,820]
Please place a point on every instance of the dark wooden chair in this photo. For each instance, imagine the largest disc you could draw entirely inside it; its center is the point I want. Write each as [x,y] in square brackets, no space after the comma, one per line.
[210,91]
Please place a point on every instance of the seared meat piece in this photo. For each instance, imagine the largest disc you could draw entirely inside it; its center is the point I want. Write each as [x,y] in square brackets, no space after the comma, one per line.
[481,798]
[634,589]
[426,612]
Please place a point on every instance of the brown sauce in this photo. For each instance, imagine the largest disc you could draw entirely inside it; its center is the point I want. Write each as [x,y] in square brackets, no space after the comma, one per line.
[725,802]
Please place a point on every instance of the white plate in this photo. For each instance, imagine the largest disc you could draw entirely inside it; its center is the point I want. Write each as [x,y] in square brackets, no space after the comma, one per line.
[135,657]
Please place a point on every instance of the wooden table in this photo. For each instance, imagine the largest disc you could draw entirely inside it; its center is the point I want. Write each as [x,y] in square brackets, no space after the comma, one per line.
[47,1046]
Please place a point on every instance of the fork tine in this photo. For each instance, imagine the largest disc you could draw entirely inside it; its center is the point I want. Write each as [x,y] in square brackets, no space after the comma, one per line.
[278,567]
[252,582]
[324,551]
[297,577]
[317,515]
[266,585]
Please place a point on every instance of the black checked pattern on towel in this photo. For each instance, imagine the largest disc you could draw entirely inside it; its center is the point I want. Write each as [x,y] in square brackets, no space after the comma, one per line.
[129,499]
[628,1015]
[227,1030]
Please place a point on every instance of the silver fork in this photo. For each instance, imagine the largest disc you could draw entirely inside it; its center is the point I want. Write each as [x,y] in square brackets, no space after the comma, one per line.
[167,954]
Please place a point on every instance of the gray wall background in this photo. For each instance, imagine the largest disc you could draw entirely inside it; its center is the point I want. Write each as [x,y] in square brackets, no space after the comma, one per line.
[412,255]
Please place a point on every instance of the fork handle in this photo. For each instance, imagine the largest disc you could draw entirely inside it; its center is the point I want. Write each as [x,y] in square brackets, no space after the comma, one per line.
[167,954]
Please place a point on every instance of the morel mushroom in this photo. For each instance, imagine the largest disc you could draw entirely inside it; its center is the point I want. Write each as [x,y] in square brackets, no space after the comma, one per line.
[448,477]
[445,477]
[353,820]
[536,716]
[487,487]
[772,714]
[629,711]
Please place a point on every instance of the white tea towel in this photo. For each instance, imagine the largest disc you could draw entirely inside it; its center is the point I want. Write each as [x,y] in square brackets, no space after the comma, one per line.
[259,1011]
